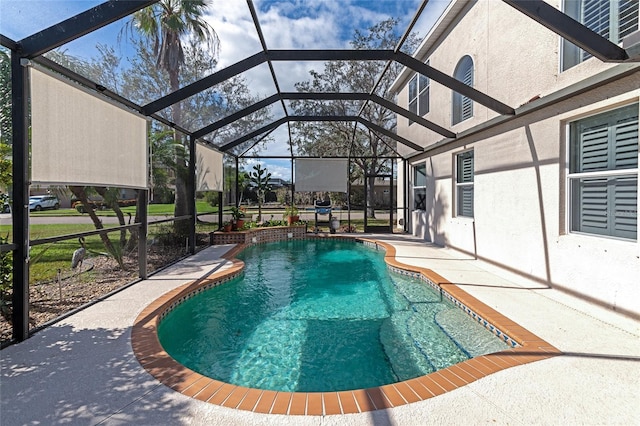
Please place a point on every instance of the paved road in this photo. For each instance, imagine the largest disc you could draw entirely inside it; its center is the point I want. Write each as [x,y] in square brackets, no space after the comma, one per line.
[5,219]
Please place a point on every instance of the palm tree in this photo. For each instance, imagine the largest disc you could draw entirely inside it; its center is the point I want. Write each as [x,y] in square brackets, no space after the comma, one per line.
[166,25]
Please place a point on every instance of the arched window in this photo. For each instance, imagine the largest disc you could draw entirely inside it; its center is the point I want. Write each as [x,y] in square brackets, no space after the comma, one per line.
[463,106]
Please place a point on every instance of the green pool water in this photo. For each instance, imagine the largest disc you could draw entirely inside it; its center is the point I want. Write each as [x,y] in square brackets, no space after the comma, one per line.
[319,316]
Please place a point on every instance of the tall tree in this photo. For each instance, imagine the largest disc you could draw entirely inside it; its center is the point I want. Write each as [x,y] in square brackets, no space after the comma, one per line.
[341,138]
[5,121]
[165,26]
[5,96]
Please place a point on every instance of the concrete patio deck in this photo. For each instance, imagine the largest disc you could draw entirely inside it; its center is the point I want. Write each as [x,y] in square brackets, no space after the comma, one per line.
[83,371]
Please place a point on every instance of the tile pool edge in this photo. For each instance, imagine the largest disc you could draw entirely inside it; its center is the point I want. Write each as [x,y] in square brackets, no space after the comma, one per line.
[159,364]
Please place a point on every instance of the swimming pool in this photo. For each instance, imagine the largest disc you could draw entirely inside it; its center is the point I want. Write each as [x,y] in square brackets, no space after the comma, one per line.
[317,316]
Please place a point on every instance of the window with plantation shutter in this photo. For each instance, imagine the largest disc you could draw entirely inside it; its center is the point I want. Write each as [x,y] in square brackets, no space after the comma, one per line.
[612,19]
[464,184]
[462,106]
[603,174]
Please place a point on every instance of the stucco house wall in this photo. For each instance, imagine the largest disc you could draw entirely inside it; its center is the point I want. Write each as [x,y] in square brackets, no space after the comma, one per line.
[520,200]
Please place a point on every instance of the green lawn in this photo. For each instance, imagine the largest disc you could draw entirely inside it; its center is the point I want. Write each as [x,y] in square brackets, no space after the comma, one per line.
[46,259]
[152,210]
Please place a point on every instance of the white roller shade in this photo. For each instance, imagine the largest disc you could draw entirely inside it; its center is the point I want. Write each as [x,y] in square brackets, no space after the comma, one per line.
[79,138]
[209,169]
[321,174]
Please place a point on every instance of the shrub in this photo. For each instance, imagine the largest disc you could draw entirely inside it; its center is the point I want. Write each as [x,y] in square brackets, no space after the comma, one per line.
[6,279]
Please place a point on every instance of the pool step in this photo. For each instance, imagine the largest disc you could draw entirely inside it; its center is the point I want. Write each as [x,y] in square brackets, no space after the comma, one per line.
[415,344]
[472,337]
[405,358]
[272,352]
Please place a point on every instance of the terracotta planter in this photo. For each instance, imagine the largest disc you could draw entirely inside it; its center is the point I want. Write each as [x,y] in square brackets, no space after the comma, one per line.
[226,227]
[292,219]
[238,224]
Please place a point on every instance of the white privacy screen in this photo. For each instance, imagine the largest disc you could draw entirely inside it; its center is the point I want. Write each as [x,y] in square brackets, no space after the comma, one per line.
[321,174]
[80,139]
[209,169]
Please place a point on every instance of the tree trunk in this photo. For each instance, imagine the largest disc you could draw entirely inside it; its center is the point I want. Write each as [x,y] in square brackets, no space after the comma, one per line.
[370,196]
[181,206]
[133,241]
[113,204]
[80,193]
[181,227]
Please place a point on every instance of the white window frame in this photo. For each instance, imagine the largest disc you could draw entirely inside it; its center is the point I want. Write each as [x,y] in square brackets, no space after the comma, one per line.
[571,55]
[576,177]
[461,185]
[419,188]
[421,97]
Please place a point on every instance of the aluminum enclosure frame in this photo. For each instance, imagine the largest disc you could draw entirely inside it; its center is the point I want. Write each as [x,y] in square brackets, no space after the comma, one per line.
[33,46]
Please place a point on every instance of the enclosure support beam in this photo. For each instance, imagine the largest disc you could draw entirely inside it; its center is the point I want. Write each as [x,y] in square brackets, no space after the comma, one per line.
[325,96]
[204,83]
[20,217]
[220,208]
[293,192]
[311,118]
[391,199]
[454,84]
[143,230]
[349,195]
[191,194]
[237,200]
[407,211]
[236,116]
[79,25]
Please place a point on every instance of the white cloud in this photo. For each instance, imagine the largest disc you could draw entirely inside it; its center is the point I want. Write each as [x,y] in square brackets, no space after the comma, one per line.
[278,168]
[238,38]
[293,24]
[298,24]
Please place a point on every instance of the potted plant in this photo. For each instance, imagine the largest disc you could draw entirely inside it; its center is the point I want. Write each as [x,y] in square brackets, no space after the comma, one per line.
[226,226]
[291,213]
[238,217]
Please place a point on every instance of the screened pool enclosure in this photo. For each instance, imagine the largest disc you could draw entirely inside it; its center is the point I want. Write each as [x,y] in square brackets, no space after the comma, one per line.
[99,123]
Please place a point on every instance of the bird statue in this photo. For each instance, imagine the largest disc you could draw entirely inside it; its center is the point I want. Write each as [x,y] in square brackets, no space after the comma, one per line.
[78,255]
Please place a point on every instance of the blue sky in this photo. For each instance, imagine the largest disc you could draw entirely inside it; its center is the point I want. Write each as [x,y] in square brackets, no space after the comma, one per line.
[286,24]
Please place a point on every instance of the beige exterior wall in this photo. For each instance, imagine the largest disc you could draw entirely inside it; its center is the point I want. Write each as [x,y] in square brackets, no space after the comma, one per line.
[520,198]
[515,60]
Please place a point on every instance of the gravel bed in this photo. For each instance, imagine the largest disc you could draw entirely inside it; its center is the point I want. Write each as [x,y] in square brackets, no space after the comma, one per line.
[99,276]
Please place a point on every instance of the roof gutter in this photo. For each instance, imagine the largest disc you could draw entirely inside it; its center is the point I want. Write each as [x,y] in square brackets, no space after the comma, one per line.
[612,74]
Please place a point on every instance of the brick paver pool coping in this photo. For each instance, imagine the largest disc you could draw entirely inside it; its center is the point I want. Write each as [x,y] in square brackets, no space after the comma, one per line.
[159,364]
